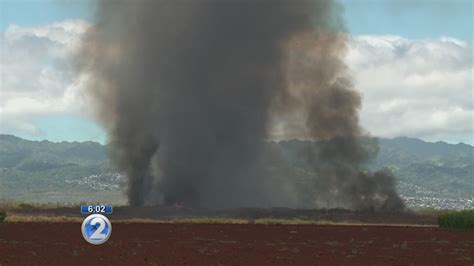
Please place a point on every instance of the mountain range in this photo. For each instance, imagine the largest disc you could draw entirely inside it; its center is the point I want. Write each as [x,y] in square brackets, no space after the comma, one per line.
[43,171]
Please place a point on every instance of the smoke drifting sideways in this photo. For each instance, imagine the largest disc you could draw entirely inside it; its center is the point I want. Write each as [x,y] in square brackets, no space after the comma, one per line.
[190,92]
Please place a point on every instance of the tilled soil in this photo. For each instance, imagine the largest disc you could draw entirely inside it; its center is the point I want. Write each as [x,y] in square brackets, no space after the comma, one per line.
[235,244]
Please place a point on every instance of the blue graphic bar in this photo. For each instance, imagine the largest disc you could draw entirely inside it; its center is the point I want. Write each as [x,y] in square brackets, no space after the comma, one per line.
[102,209]
[108,209]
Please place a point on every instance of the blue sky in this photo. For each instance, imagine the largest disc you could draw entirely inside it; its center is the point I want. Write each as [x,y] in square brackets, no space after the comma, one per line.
[59,128]
[412,19]
[408,18]
[37,12]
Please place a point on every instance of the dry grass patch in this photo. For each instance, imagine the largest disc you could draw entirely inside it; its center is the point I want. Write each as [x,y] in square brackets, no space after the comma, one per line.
[290,221]
[197,220]
[19,218]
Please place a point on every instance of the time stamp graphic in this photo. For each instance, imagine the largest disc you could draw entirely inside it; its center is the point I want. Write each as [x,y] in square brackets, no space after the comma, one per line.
[96,227]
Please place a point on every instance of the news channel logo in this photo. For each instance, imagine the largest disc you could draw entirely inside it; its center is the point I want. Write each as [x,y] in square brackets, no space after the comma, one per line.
[96,229]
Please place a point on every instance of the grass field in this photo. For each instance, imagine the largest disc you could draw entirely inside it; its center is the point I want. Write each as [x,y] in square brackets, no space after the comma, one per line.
[457,220]
[26,212]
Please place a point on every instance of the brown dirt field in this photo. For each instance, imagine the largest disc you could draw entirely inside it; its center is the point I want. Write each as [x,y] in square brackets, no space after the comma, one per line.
[235,244]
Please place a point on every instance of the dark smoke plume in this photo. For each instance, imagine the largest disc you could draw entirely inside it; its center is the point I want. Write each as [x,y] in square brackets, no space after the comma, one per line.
[189,91]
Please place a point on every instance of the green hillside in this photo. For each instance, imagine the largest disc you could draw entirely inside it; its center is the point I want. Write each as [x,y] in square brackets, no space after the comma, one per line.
[43,171]
[440,167]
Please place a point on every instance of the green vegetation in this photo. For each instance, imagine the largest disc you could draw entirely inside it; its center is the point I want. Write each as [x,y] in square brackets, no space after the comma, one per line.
[457,220]
[438,167]
[3,215]
[49,173]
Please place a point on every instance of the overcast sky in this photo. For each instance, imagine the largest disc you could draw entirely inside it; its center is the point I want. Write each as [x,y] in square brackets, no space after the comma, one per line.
[412,61]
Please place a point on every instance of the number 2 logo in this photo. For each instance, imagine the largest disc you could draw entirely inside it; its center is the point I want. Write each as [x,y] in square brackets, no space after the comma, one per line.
[98,233]
[96,229]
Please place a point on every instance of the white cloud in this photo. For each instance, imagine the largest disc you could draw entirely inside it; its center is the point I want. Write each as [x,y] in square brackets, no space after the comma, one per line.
[416,88]
[36,74]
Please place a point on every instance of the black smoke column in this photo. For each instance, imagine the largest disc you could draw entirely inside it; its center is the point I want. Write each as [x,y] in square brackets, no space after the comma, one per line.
[187,90]
[322,100]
